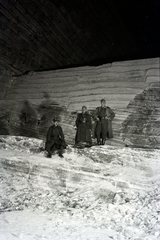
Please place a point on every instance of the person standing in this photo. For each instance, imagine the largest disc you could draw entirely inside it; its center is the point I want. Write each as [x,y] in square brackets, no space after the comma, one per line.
[55,139]
[104,116]
[84,127]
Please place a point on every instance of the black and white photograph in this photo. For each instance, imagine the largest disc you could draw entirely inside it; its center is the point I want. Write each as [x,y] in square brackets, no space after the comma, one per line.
[79,119]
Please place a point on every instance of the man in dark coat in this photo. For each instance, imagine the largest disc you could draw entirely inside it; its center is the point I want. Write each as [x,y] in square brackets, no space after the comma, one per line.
[104,116]
[84,126]
[55,139]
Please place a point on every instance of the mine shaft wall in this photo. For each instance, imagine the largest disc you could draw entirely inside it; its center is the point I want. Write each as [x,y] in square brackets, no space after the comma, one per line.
[64,92]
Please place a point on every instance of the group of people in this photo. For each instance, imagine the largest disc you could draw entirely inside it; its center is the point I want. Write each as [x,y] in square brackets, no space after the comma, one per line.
[103,129]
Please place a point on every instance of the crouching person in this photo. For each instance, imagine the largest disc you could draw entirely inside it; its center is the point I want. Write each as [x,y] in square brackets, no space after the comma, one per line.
[55,139]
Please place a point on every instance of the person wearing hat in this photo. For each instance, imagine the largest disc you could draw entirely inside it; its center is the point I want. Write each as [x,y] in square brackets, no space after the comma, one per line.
[104,116]
[55,139]
[83,126]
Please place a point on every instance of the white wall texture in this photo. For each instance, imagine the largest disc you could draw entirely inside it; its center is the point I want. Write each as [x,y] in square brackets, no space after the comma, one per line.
[117,82]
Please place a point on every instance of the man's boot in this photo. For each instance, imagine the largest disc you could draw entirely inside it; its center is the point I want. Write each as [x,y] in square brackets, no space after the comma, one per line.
[49,155]
[88,144]
[98,142]
[103,141]
[60,153]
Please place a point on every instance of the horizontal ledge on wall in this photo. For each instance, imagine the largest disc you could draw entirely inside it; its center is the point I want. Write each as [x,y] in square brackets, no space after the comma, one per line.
[65,92]
[89,76]
[82,86]
[153,79]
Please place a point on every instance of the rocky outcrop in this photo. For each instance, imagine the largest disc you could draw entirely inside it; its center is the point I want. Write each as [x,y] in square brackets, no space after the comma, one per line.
[141,127]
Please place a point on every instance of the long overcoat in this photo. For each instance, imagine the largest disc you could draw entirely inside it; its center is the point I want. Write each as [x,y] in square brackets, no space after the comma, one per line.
[84,126]
[55,138]
[105,116]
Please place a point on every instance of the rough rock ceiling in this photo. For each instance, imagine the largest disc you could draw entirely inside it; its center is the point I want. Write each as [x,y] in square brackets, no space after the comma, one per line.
[47,34]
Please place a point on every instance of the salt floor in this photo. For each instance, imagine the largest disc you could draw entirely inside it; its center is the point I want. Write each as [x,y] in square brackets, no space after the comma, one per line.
[117,197]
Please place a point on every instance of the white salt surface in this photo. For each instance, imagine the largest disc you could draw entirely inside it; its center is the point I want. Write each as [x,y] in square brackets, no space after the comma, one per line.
[119,198]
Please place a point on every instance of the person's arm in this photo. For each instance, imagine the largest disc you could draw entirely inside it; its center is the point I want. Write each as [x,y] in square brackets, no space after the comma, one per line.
[112,114]
[77,120]
[89,122]
[96,113]
[61,135]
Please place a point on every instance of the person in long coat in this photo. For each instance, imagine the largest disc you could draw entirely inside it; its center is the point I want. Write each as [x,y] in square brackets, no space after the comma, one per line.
[84,127]
[104,116]
[55,139]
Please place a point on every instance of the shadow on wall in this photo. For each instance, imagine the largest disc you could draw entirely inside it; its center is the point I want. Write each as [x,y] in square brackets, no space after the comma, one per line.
[47,110]
[28,120]
[141,128]
[22,118]
[4,124]
[25,119]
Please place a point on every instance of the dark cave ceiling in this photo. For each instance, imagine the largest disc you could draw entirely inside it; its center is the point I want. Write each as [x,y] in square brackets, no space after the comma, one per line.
[48,34]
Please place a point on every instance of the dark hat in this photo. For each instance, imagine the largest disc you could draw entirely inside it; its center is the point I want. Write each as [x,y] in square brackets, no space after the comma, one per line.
[55,119]
[103,100]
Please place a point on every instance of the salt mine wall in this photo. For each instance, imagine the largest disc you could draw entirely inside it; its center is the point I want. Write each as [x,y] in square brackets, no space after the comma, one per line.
[5,82]
[131,89]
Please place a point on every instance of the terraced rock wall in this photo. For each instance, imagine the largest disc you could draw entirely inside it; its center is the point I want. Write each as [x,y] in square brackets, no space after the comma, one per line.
[34,98]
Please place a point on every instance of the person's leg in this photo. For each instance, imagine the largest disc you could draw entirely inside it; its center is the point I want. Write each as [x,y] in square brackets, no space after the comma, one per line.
[48,149]
[98,132]
[60,152]
[49,155]
[104,131]
[60,145]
